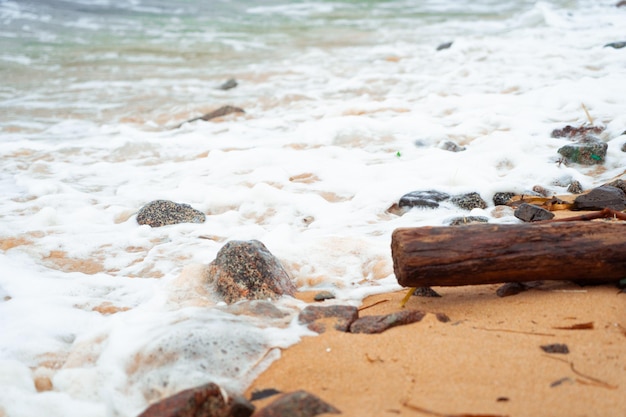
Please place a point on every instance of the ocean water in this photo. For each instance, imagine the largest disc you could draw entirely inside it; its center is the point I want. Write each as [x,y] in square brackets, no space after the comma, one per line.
[347,105]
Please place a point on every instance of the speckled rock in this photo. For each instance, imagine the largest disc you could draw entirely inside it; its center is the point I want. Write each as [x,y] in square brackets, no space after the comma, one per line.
[345,315]
[461,221]
[423,199]
[575,187]
[600,198]
[502,197]
[621,184]
[531,213]
[297,404]
[378,324]
[204,401]
[452,146]
[247,270]
[427,292]
[469,201]
[159,213]
[573,132]
[588,151]
[324,295]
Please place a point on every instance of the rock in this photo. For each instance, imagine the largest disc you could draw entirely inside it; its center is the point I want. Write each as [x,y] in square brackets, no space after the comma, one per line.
[469,201]
[531,213]
[163,212]
[624,147]
[622,3]
[615,45]
[378,324]
[247,270]
[575,187]
[600,198]
[231,83]
[423,199]
[572,132]
[296,404]
[588,151]
[460,221]
[204,401]
[222,111]
[444,45]
[621,184]
[502,197]
[555,348]
[452,146]
[256,308]
[345,316]
[425,292]
[324,295]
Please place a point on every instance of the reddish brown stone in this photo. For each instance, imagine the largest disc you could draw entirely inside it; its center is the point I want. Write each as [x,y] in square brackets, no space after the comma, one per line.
[378,324]
[297,404]
[345,316]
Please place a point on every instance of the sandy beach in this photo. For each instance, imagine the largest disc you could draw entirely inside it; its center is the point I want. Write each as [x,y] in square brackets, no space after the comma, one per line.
[486,361]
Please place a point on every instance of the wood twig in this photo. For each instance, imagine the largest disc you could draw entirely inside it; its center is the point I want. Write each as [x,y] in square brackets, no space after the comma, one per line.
[515,331]
[417,408]
[605,213]
[589,380]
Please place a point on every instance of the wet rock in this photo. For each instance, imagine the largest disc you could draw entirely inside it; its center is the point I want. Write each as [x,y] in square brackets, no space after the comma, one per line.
[423,199]
[256,308]
[514,288]
[588,151]
[531,213]
[264,393]
[221,112]
[575,187]
[425,292]
[469,201]
[600,198]
[621,3]
[444,45]
[297,404]
[452,146]
[542,191]
[247,270]
[615,45]
[324,295]
[163,212]
[555,348]
[345,316]
[460,221]
[571,132]
[378,324]
[624,147]
[204,401]
[502,197]
[621,184]
[231,83]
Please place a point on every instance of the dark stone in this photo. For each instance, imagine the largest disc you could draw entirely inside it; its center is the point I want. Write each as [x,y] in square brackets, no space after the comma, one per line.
[575,187]
[264,393]
[514,288]
[621,3]
[231,83]
[324,295]
[442,317]
[247,270]
[621,184]
[501,198]
[588,151]
[600,198]
[624,147]
[204,401]
[222,111]
[425,292]
[452,146]
[556,348]
[378,324]
[469,201]
[531,213]
[461,221]
[296,404]
[572,132]
[163,212]
[444,45]
[616,45]
[423,199]
[345,315]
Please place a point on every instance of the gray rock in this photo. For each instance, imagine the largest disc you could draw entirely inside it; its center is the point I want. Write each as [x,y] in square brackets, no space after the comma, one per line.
[461,221]
[324,295]
[231,83]
[452,146]
[247,270]
[616,45]
[297,404]
[345,315]
[163,212]
[575,187]
[588,151]
[427,292]
[531,213]
[423,199]
[445,45]
[378,324]
[469,201]
[602,197]
[502,197]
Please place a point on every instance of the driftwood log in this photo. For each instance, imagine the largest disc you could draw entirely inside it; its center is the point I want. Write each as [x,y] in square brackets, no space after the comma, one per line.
[497,253]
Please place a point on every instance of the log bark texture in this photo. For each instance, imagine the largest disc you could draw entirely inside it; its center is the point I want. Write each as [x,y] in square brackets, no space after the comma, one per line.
[495,253]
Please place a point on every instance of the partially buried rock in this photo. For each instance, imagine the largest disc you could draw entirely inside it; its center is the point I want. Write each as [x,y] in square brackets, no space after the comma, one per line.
[221,112]
[616,45]
[423,199]
[230,83]
[572,132]
[452,146]
[425,292]
[345,316]
[502,197]
[204,401]
[297,404]
[588,151]
[602,197]
[378,324]
[461,221]
[469,201]
[575,187]
[247,270]
[163,212]
[531,213]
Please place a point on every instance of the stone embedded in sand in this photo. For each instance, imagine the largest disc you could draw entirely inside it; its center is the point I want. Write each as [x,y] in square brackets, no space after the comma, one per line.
[531,213]
[378,324]
[469,201]
[452,146]
[247,270]
[423,199]
[461,221]
[602,197]
[588,151]
[502,197]
[345,315]
[297,404]
[203,401]
[163,212]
